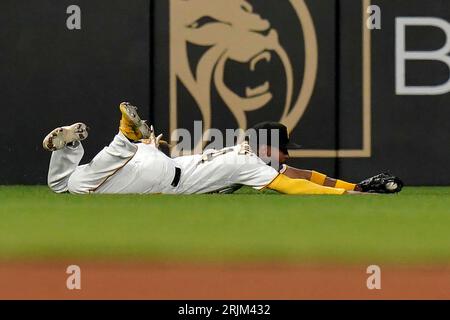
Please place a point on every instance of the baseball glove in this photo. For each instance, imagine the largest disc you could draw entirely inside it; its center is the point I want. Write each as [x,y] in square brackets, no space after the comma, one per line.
[382,183]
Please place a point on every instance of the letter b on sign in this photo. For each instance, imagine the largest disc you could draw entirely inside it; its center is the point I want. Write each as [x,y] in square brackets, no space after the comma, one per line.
[401,55]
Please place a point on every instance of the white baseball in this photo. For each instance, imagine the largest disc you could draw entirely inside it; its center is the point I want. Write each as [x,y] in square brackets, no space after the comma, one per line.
[391,186]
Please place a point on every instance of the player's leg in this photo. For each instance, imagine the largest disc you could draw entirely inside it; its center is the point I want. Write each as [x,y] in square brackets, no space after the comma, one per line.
[62,165]
[87,178]
[106,163]
[67,153]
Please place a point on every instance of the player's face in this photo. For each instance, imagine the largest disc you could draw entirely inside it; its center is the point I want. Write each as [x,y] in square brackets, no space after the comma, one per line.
[270,154]
[282,156]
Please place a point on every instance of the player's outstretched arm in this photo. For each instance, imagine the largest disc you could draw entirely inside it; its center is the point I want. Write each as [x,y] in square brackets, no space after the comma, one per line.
[381,183]
[286,185]
[320,179]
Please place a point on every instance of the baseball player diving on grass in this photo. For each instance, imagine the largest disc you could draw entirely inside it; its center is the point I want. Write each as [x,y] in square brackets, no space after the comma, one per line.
[133,164]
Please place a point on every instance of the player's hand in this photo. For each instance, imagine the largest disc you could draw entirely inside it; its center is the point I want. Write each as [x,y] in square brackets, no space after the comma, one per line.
[153,139]
[381,183]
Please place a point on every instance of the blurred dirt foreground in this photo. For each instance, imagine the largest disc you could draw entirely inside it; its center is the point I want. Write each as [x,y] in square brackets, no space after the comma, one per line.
[46,280]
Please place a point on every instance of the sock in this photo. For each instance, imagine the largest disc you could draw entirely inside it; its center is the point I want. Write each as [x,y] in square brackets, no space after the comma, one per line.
[73,144]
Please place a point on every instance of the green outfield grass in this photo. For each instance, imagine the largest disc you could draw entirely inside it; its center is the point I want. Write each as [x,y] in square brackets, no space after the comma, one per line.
[413,227]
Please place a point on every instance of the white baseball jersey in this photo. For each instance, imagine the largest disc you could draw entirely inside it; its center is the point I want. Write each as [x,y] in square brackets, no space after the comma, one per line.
[125,167]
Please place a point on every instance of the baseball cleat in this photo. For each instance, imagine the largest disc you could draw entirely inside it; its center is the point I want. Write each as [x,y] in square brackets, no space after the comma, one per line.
[131,124]
[60,137]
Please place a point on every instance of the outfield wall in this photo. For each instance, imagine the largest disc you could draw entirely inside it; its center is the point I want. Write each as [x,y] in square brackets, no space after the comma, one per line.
[52,75]
[316,66]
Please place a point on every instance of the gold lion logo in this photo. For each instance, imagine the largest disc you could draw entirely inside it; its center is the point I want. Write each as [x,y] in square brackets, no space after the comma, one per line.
[231,30]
